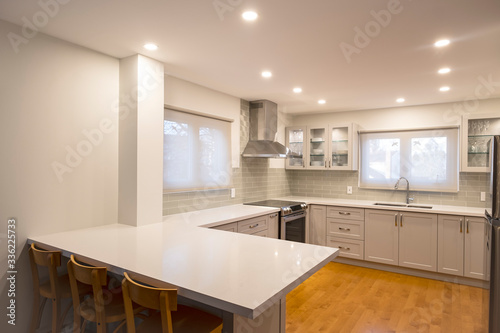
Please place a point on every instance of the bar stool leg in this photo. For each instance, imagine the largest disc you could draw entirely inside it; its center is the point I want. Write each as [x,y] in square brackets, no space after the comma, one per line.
[56,309]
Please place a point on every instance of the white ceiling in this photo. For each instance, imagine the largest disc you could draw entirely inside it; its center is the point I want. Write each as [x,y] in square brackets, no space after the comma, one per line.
[299,41]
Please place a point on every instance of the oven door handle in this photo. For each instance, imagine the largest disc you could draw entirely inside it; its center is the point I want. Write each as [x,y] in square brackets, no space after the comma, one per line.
[294,217]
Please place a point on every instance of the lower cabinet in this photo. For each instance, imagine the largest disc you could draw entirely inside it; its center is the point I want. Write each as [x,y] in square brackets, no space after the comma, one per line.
[462,246]
[317,225]
[264,226]
[274,225]
[348,248]
[402,238]
[232,227]
[345,230]
[254,225]
[382,236]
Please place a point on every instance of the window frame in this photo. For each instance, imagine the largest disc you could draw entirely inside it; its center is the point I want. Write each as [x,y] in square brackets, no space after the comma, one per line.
[405,151]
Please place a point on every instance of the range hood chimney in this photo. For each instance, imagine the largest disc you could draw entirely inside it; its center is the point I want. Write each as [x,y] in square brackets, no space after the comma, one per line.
[263,130]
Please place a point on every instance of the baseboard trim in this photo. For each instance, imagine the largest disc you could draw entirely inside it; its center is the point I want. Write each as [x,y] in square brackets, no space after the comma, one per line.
[417,273]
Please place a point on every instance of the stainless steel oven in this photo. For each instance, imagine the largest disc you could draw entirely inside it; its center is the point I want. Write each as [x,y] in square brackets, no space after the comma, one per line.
[292,218]
[293,227]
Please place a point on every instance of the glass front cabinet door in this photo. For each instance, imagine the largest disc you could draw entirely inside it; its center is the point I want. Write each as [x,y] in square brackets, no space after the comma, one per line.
[477,131]
[318,147]
[323,148]
[343,147]
[297,142]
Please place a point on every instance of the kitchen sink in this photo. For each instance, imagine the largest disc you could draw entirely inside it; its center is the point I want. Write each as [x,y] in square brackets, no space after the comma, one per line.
[395,204]
[390,204]
[419,206]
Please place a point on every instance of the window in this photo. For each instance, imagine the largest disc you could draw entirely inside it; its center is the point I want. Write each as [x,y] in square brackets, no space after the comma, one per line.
[427,158]
[196,152]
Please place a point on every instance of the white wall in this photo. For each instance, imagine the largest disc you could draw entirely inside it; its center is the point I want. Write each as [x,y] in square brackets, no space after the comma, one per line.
[50,92]
[187,95]
[445,114]
[141,141]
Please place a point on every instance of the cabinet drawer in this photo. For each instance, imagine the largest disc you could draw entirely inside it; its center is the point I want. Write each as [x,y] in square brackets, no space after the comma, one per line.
[253,225]
[262,233]
[232,227]
[346,229]
[346,213]
[348,248]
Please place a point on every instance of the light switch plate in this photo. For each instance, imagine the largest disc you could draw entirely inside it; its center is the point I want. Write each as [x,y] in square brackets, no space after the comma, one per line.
[233,192]
[349,189]
[483,196]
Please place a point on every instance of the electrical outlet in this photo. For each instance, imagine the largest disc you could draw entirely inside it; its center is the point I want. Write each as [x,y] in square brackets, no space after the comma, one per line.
[233,192]
[349,189]
[483,196]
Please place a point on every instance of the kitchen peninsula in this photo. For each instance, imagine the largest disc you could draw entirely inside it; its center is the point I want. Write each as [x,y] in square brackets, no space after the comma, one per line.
[246,278]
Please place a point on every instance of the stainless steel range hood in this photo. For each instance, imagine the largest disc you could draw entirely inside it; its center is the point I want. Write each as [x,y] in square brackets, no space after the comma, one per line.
[263,130]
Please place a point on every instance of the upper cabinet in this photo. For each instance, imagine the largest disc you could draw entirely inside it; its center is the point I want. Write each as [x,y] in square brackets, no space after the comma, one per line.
[334,147]
[296,140]
[343,147]
[318,147]
[477,131]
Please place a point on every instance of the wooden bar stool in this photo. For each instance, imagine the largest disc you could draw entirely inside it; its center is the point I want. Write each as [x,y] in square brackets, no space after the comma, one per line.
[171,317]
[102,306]
[56,288]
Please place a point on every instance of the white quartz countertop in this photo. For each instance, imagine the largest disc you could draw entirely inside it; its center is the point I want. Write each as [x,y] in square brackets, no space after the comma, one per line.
[436,209]
[238,273]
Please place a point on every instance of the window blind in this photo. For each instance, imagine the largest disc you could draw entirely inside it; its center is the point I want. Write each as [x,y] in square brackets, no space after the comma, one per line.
[427,158]
[196,152]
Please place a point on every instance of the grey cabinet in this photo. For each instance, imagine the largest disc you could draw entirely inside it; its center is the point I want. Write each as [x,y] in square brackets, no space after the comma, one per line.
[405,239]
[317,225]
[462,249]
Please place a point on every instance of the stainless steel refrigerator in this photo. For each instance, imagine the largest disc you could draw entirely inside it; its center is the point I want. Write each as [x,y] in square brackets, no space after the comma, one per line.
[493,216]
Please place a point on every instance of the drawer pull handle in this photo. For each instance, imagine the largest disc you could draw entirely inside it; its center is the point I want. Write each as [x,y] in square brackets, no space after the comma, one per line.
[396,220]
[401,221]
[467,220]
[344,213]
[253,226]
[461,225]
[346,229]
[345,248]
[274,215]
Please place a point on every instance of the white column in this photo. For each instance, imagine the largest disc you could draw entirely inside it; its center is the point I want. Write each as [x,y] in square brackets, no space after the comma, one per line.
[140,166]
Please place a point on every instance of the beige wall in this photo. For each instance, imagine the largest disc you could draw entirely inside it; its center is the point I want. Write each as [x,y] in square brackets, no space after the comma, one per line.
[50,93]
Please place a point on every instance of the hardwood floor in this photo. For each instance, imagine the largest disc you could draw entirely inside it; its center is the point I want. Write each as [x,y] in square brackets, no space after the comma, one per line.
[344,298]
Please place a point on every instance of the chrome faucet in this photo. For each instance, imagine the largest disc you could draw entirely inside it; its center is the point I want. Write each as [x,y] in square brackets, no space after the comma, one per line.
[408,199]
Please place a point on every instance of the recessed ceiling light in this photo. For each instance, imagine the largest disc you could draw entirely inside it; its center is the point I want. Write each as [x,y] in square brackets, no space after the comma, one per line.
[444,70]
[441,43]
[321,101]
[249,15]
[266,74]
[151,47]
[297,90]
[445,88]
[400,100]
